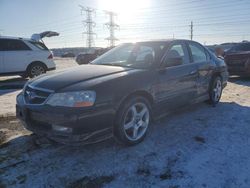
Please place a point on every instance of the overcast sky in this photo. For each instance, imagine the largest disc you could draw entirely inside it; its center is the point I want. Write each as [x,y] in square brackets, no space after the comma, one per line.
[215,21]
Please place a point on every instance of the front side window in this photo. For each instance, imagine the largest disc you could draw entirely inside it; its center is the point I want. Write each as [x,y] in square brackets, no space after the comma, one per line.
[176,55]
[198,53]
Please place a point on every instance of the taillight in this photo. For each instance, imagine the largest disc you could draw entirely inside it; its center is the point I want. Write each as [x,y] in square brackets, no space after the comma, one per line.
[50,56]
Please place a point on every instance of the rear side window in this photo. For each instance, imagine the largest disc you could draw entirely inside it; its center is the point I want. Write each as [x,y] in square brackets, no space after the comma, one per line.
[39,45]
[198,53]
[13,45]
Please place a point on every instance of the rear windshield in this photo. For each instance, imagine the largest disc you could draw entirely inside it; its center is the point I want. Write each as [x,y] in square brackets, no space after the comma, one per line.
[39,45]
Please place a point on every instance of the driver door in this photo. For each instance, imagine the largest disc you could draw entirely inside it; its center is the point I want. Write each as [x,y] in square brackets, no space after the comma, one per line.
[177,78]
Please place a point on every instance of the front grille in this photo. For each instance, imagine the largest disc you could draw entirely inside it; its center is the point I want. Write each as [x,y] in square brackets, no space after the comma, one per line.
[34,95]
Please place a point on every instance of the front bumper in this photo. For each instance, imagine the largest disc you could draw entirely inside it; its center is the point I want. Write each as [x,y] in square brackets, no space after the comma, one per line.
[79,125]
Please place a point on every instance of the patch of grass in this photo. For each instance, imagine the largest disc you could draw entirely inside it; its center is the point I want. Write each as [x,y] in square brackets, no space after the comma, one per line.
[3,158]
[200,139]
[91,182]
[22,179]
[167,175]
[143,172]
[2,137]
[2,185]
[4,145]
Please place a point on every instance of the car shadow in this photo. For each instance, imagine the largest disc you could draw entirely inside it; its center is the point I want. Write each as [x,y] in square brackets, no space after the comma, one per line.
[245,81]
[179,136]
[11,84]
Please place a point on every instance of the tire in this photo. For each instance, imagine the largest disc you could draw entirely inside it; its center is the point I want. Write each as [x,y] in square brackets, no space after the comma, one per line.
[215,90]
[36,69]
[132,121]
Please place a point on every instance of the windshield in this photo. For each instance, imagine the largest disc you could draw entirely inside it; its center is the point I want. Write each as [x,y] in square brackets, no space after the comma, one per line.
[138,55]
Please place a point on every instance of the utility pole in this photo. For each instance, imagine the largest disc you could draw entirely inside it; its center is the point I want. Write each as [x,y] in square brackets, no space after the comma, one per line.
[89,24]
[191,30]
[112,26]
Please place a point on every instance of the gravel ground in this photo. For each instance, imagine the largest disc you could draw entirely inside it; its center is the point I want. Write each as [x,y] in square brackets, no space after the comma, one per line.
[200,146]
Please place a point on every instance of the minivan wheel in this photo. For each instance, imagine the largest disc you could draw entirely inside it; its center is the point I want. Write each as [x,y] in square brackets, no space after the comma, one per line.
[133,120]
[36,70]
[215,90]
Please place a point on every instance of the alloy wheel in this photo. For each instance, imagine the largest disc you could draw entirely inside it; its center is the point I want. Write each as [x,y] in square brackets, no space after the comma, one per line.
[217,90]
[136,121]
[37,70]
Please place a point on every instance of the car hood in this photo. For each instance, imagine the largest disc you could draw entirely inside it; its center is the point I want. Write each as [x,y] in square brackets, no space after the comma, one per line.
[75,75]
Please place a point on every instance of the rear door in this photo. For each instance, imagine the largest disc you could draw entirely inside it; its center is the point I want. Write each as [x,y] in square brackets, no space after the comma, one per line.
[17,55]
[177,83]
[201,60]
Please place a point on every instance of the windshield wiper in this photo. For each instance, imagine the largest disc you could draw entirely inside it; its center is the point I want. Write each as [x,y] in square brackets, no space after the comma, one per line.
[114,64]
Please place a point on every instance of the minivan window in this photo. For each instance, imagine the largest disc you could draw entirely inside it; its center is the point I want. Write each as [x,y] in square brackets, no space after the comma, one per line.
[198,53]
[13,45]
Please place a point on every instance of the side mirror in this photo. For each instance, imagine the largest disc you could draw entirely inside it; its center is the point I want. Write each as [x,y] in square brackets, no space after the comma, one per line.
[173,61]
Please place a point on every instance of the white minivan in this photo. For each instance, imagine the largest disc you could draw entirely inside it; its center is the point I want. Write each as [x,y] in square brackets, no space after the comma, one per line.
[25,57]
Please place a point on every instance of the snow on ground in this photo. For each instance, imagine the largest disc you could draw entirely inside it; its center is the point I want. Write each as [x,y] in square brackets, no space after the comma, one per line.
[200,146]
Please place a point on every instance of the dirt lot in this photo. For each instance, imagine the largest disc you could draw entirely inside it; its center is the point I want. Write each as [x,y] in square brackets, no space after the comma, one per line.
[200,146]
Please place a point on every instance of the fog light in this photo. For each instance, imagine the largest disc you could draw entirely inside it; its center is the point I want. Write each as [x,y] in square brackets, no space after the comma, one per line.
[62,129]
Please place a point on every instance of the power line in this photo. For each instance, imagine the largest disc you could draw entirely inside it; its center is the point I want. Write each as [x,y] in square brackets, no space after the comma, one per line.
[112,26]
[89,24]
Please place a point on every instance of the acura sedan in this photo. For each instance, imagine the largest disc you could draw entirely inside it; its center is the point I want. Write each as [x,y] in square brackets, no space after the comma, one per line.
[121,92]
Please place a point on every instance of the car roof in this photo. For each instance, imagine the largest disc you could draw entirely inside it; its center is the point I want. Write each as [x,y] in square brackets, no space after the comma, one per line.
[17,38]
[167,40]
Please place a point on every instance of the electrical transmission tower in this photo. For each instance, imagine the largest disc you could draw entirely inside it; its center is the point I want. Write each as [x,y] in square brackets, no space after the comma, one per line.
[89,24]
[191,30]
[112,26]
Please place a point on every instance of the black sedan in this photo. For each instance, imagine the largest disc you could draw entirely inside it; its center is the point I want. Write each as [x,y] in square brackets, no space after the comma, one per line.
[121,92]
[238,59]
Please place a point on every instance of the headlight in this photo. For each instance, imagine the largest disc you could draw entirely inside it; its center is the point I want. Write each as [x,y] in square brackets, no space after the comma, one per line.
[72,99]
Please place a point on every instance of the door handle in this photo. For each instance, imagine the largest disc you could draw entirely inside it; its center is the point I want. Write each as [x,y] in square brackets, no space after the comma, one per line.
[193,72]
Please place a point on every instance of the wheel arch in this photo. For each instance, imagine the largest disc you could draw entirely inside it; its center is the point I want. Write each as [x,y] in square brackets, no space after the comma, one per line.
[141,93]
[216,73]
[36,62]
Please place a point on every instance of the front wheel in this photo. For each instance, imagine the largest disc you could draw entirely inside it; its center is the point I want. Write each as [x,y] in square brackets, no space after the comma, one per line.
[215,90]
[133,120]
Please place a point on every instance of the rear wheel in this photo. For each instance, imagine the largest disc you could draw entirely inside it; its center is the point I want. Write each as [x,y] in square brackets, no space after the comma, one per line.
[215,90]
[133,121]
[36,69]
